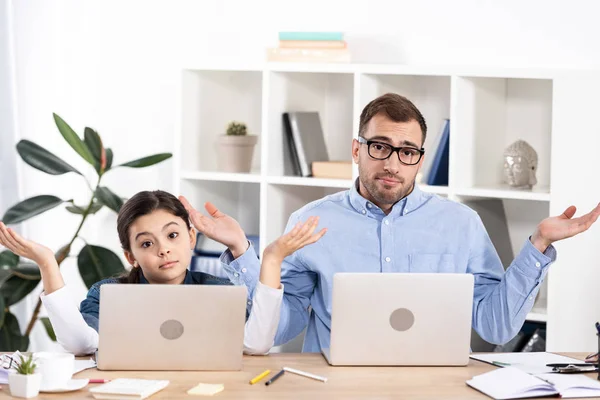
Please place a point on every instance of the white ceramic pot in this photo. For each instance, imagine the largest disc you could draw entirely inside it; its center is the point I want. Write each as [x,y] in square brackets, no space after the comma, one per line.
[235,153]
[24,386]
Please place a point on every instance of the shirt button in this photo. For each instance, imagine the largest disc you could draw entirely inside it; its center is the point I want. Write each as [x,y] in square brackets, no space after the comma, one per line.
[530,297]
[369,205]
[249,302]
[236,274]
[244,270]
[386,222]
[537,264]
[364,211]
[388,259]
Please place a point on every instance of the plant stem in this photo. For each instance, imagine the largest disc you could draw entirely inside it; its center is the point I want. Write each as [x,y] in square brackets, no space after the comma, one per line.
[63,256]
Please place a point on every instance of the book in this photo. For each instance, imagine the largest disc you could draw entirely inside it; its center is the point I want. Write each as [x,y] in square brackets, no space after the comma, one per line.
[306,139]
[127,388]
[320,36]
[311,44]
[332,169]
[438,175]
[432,142]
[308,55]
[512,383]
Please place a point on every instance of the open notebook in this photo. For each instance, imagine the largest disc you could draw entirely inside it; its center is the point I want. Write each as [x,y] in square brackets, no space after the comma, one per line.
[513,383]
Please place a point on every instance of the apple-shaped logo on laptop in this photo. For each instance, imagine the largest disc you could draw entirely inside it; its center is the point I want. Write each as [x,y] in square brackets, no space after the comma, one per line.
[402,319]
[171,329]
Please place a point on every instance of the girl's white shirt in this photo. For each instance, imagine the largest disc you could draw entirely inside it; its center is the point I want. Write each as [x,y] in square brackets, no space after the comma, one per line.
[77,337]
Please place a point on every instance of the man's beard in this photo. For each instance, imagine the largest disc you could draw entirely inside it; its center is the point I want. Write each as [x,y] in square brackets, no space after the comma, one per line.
[380,196]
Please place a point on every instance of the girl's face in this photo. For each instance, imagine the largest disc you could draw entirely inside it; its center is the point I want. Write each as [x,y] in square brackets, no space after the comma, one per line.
[161,245]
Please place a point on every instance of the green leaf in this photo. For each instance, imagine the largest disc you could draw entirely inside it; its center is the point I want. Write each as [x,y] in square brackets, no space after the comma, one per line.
[147,161]
[10,335]
[8,259]
[30,208]
[16,288]
[73,139]
[3,310]
[27,270]
[42,159]
[94,144]
[96,263]
[109,159]
[108,198]
[80,210]
[49,328]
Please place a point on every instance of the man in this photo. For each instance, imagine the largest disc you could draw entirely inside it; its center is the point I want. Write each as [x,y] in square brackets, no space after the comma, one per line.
[386,224]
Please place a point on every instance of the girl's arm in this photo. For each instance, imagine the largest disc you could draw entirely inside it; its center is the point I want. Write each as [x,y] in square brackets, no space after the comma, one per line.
[261,326]
[72,332]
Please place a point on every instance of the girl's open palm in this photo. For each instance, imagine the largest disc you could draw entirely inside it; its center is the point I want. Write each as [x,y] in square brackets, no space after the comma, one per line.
[302,235]
[23,247]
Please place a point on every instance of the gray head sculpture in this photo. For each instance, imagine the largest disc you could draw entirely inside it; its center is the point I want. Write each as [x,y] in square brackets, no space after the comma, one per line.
[520,165]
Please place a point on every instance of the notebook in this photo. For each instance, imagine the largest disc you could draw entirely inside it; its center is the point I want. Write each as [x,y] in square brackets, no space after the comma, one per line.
[531,363]
[128,388]
[512,383]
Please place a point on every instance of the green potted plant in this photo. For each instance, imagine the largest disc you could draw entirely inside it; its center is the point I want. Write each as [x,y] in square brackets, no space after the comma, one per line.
[25,382]
[236,148]
[17,277]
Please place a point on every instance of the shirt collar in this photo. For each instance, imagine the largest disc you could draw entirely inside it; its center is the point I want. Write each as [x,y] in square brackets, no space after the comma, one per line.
[406,205]
[186,281]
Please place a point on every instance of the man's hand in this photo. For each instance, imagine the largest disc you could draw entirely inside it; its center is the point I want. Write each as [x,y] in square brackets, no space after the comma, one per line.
[564,226]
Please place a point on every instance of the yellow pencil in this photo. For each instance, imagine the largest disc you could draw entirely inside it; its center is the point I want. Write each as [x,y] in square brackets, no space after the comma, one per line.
[259,377]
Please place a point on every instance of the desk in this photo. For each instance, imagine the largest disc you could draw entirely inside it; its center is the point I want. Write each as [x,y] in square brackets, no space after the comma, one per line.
[343,382]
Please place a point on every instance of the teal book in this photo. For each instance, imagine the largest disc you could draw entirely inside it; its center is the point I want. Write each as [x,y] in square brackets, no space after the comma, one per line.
[320,36]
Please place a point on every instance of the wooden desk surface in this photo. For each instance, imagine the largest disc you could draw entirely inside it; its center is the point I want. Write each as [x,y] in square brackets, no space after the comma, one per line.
[343,382]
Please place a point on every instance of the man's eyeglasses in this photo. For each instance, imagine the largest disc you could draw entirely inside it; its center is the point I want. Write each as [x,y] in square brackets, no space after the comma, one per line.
[382,151]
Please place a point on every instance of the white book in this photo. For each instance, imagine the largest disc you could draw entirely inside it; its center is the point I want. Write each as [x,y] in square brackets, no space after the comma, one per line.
[532,363]
[513,383]
[128,388]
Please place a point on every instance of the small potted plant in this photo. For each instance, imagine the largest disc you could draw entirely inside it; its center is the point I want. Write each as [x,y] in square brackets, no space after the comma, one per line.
[236,148]
[25,382]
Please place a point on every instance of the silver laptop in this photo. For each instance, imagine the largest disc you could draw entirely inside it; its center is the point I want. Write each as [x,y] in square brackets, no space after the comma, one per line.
[171,327]
[400,319]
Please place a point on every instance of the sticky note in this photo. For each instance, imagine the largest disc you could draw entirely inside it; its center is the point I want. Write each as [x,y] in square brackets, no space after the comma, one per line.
[206,389]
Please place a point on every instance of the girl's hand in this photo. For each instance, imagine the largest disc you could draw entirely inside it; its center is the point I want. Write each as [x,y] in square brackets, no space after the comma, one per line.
[302,235]
[219,227]
[14,242]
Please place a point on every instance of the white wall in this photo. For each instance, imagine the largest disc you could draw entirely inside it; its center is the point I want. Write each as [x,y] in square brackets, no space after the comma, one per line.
[113,65]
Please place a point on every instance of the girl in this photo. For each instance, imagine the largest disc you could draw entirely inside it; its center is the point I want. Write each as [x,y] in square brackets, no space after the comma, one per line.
[157,239]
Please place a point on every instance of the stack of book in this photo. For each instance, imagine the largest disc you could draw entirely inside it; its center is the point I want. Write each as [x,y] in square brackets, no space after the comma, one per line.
[310,47]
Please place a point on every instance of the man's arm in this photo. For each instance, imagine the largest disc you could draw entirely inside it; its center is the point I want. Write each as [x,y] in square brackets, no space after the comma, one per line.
[502,300]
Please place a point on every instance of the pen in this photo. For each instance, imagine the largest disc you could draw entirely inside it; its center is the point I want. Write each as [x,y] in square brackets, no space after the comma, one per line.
[566,365]
[259,377]
[99,380]
[273,379]
[305,374]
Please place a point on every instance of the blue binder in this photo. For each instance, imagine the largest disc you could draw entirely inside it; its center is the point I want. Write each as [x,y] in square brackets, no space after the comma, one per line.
[438,174]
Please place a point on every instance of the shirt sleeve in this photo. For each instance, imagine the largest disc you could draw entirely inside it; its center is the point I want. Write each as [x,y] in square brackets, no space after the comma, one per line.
[71,329]
[502,299]
[261,327]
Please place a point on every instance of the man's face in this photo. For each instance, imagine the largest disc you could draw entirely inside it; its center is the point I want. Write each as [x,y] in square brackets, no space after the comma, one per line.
[385,182]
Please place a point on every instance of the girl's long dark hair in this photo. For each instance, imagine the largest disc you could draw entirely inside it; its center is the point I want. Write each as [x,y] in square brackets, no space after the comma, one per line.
[144,203]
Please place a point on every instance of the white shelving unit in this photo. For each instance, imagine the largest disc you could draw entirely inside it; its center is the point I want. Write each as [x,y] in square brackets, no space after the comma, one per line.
[489,108]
